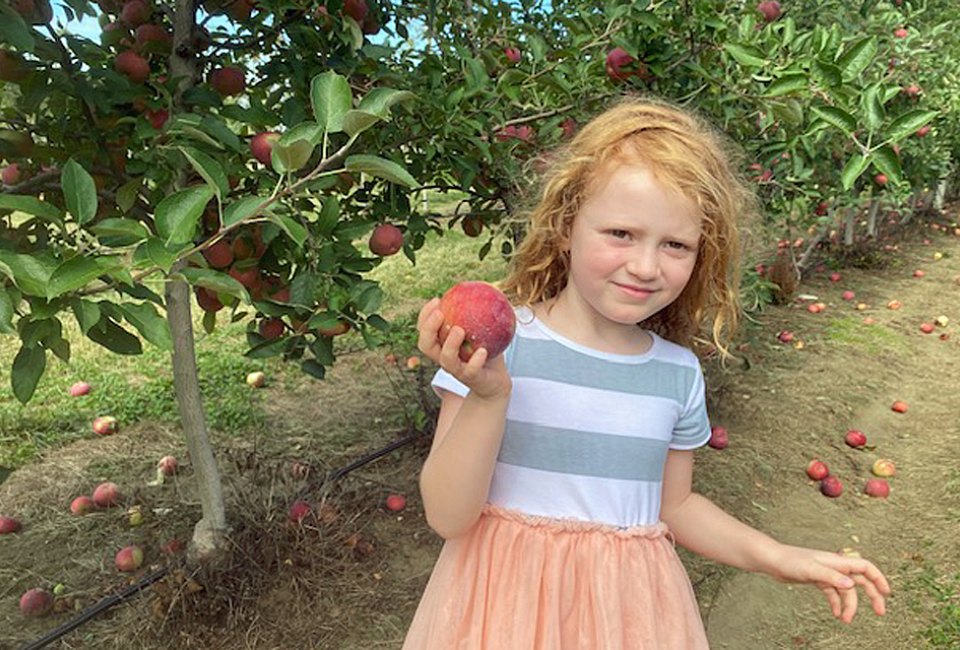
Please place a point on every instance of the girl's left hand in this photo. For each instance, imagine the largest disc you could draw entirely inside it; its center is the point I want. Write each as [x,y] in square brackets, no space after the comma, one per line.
[836,575]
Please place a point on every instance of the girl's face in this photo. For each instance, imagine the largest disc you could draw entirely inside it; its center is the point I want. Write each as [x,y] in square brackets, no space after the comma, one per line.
[633,247]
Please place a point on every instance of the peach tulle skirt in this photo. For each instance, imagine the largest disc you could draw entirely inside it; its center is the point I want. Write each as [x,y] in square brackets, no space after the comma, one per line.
[517,582]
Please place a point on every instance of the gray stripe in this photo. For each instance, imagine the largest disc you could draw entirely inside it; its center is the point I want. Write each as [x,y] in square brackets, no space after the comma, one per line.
[583,453]
[544,359]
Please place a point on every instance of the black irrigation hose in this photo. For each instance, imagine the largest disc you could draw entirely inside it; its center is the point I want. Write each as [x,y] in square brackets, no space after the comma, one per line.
[103,605]
[147,580]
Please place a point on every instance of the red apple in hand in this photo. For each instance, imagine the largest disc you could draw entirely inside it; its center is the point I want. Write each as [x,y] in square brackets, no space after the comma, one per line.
[817,470]
[484,314]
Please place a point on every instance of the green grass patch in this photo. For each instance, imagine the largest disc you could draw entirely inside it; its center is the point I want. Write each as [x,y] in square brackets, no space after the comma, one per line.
[944,591]
[873,339]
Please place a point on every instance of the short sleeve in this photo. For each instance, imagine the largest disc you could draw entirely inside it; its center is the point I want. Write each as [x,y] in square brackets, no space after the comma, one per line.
[443,380]
[693,428]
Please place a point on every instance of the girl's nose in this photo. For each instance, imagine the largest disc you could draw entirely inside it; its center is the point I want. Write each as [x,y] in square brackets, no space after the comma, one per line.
[644,265]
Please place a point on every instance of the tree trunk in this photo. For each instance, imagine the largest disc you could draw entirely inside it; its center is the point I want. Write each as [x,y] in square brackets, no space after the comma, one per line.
[849,219]
[941,194]
[872,217]
[209,534]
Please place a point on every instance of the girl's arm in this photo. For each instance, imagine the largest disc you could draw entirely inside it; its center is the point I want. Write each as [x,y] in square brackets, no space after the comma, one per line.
[455,479]
[702,527]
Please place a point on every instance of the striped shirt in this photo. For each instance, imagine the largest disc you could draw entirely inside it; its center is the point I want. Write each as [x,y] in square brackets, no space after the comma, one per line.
[587,432]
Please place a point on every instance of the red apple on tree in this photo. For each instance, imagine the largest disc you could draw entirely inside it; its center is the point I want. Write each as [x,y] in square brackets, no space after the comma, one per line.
[770,9]
[923,131]
[356,9]
[483,312]
[228,81]
[208,300]
[219,255]
[386,240]
[132,65]
[271,328]
[10,174]
[901,32]
[261,146]
[619,63]
[880,179]
[134,13]
[512,54]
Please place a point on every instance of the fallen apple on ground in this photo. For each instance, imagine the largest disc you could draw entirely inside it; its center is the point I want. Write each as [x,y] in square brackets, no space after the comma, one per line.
[106,494]
[848,295]
[82,505]
[167,465]
[817,470]
[36,602]
[9,525]
[899,406]
[855,438]
[256,379]
[884,468]
[298,511]
[105,425]
[395,502]
[484,314]
[413,362]
[129,558]
[877,487]
[80,388]
[831,487]
[927,328]
[785,336]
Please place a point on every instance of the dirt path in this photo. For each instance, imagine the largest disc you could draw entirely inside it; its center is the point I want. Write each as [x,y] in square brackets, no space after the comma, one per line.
[797,405]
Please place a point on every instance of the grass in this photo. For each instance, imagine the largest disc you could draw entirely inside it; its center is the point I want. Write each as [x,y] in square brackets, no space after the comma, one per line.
[874,339]
[140,388]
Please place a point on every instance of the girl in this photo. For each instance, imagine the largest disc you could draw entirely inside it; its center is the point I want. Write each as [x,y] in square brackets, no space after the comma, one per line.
[560,472]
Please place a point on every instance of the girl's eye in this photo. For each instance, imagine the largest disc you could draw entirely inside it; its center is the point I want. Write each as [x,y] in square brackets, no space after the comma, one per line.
[677,245]
[619,234]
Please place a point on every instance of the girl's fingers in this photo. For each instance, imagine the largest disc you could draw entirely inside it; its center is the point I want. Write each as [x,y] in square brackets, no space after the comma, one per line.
[833,598]
[872,590]
[850,600]
[428,309]
[450,352]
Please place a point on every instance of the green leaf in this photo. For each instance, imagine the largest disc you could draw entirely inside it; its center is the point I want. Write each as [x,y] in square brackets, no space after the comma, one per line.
[222,133]
[127,194]
[14,30]
[476,75]
[215,281]
[329,215]
[79,191]
[357,121]
[153,252]
[151,325]
[331,99]
[28,367]
[267,349]
[209,169]
[380,100]
[242,209]
[29,272]
[854,60]
[294,148]
[6,312]
[381,168]
[322,348]
[888,162]
[827,72]
[78,272]
[787,84]
[873,112]
[746,55]
[177,215]
[31,205]
[907,124]
[61,348]
[292,227]
[120,232]
[86,312]
[313,368]
[113,337]
[857,164]
[836,117]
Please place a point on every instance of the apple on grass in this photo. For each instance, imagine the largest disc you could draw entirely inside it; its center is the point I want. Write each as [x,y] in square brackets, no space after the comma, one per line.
[79,389]
[877,487]
[9,525]
[395,502]
[884,468]
[129,558]
[36,602]
[106,495]
[483,313]
[168,465]
[256,379]
[105,425]
[817,470]
[831,487]
[299,510]
[82,505]
[855,438]
[899,406]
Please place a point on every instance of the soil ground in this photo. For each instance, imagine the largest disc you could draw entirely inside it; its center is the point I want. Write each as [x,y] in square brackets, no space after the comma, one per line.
[350,579]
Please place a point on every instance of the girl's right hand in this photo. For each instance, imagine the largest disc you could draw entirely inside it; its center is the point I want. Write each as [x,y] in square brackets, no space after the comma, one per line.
[486,378]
